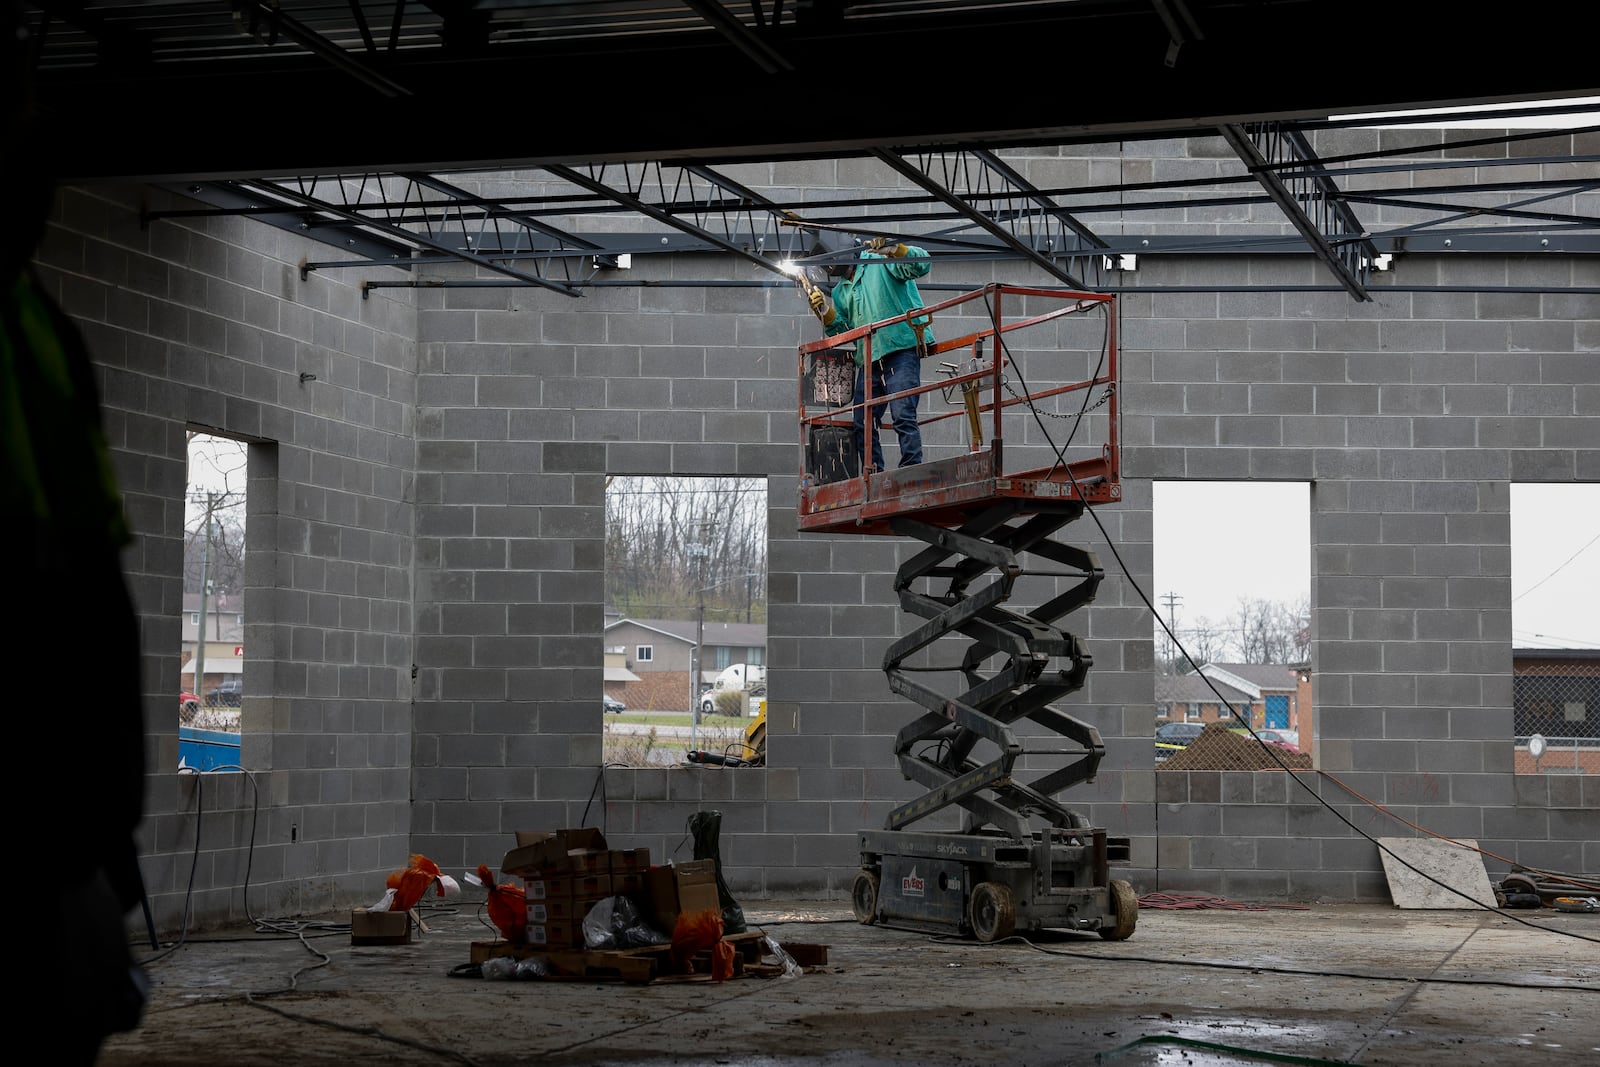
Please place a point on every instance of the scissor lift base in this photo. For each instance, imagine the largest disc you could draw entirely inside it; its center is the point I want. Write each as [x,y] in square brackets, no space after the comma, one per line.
[989,886]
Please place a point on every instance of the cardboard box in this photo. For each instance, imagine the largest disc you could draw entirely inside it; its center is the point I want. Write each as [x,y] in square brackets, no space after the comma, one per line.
[553,852]
[681,887]
[589,863]
[629,861]
[550,886]
[547,887]
[379,927]
[553,909]
[591,885]
[696,872]
[562,935]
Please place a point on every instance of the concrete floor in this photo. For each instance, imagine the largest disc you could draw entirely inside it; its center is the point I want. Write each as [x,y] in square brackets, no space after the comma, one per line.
[1372,985]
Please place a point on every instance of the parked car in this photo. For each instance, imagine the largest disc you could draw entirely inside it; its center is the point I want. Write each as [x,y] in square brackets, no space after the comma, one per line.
[228,693]
[188,702]
[613,705]
[1172,737]
[1271,737]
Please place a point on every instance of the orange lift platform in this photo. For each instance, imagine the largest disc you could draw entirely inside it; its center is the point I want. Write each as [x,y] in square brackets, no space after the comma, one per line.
[1021,860]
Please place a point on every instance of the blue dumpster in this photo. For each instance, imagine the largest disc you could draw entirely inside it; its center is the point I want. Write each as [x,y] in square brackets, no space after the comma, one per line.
[206,750]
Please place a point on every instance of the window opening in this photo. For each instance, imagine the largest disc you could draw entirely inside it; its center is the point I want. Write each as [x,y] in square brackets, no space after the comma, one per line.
[1555,632]
[686,564]
[212,653]
[1232,572]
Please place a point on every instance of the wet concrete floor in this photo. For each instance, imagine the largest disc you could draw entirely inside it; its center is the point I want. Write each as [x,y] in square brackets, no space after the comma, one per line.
[1371,985]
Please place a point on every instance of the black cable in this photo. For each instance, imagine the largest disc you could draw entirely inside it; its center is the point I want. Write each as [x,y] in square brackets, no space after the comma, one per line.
[600,786]
[1233,712]
[1256,968]
[294,928]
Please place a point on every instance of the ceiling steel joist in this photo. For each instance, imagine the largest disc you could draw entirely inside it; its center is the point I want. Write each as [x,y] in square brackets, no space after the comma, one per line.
[1003,204]
[698,201]
[405,220]
[432,215]
[1283,161]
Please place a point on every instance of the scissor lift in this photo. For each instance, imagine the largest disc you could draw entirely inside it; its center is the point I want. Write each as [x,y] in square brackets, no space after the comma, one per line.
[1021,860]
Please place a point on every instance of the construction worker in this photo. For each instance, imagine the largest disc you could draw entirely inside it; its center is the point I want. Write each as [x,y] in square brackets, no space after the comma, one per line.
[881,284]
[62,533]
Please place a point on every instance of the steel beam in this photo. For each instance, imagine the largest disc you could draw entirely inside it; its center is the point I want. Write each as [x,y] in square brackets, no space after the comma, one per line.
[1308,197]
[696,199]
[350,209]
[1021,218]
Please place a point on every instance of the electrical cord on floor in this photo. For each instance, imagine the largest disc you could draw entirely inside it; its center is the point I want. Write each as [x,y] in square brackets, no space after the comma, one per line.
[1207,902]
[298,929]
[1212,1046]
[1256,968]
[362,1031]
[1061,460]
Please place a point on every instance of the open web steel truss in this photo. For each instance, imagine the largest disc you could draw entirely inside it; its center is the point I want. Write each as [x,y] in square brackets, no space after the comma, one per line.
[579,226]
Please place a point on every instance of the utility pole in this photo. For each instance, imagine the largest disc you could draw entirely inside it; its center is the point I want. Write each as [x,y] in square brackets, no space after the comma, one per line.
[205,583]
[698,549]
[1172,600]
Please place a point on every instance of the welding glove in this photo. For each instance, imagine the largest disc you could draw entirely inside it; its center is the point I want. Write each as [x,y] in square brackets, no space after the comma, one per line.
[884,247]
[819,306]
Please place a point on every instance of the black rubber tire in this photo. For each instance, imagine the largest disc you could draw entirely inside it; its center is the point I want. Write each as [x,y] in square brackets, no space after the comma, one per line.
[1125,905]
[864,897]
[992,912]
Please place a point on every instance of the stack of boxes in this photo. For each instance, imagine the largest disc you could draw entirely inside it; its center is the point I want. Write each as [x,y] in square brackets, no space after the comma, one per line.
[680,888]
[565,873]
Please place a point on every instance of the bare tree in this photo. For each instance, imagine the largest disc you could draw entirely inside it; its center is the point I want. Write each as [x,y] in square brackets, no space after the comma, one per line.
[674,543]
[1258,631]
[214,519]
[1205,642]
[1269,631]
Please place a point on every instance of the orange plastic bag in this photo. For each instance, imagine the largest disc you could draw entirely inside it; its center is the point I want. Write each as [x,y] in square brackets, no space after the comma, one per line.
[410,884]
[508,906]
[697,931]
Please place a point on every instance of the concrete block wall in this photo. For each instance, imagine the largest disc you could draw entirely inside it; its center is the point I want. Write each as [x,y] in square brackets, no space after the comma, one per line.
[429,597]
[206,325]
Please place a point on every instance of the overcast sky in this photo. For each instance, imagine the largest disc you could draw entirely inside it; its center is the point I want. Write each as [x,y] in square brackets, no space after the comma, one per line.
[1215,543]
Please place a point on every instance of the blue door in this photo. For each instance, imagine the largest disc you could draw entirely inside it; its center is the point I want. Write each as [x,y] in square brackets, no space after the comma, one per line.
[1277,710]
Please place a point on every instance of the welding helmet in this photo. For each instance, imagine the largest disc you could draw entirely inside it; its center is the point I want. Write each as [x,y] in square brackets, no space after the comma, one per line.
[836,255]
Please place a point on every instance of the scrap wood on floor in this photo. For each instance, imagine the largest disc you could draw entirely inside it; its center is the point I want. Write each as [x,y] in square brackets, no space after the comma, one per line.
[753,955]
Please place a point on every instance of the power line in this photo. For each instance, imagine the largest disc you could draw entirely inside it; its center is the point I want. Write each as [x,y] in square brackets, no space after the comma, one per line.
[1557,571]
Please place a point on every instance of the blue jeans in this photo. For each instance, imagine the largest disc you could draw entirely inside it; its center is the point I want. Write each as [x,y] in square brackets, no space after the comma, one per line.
[892,373]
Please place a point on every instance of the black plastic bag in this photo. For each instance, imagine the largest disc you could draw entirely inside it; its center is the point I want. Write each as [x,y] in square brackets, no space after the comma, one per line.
[615,923]
[706,826]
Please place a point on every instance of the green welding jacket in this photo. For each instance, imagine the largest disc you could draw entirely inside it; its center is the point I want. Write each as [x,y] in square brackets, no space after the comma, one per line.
[881,289]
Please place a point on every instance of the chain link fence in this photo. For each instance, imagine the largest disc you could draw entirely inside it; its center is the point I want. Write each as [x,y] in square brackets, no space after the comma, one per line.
[1556,701]
[1226,745]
